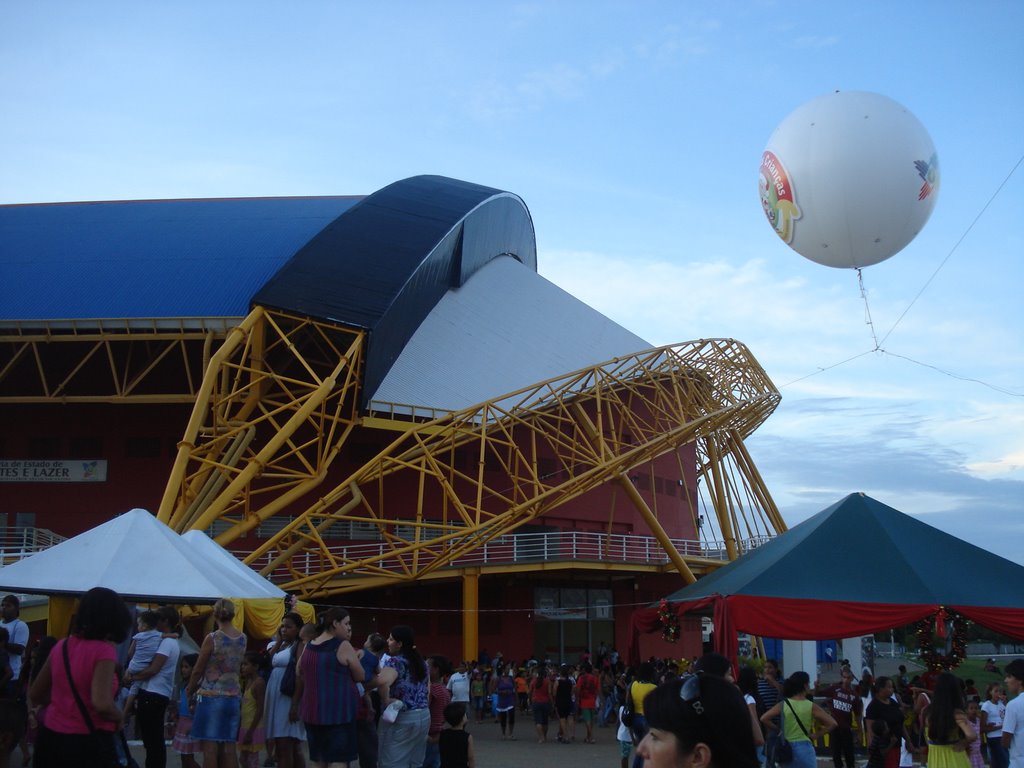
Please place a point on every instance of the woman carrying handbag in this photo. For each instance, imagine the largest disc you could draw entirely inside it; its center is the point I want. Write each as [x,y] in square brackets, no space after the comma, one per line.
[78,685]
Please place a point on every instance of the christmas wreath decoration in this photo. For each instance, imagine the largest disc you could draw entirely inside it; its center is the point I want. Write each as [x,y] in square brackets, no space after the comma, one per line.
[926,631]
[669,621]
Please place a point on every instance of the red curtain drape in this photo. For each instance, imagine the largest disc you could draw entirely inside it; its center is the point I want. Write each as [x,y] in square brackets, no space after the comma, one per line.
[645,620]
[1008,621]
[799,619]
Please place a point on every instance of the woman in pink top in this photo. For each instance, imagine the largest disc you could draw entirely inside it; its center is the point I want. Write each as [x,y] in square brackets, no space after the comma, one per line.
[71,737]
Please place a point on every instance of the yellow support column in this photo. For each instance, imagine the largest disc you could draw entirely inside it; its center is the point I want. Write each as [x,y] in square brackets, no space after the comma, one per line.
[470,614]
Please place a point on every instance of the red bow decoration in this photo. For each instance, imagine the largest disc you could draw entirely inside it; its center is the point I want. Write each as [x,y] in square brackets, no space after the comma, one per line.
[940,623]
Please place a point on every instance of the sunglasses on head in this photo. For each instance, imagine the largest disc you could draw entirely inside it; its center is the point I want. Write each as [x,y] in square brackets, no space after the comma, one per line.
[689,692]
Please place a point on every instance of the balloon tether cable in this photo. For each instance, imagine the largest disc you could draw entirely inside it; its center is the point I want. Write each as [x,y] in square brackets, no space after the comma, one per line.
[867,309]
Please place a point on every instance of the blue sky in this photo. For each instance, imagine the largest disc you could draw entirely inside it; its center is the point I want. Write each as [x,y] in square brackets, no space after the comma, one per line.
[634,132]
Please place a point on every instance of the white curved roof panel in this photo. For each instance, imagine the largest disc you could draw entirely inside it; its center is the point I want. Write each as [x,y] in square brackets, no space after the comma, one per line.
[504,329]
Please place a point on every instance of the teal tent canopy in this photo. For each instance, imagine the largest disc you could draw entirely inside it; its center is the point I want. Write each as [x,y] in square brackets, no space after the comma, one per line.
[857,567]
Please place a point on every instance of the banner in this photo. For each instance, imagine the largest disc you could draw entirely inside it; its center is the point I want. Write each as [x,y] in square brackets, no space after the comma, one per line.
[53,471]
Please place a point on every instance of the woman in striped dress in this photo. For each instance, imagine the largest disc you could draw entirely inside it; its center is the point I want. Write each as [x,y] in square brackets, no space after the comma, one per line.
[325,685]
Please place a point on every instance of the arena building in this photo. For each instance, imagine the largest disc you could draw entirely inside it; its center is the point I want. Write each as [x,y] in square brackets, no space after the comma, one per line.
[376,401]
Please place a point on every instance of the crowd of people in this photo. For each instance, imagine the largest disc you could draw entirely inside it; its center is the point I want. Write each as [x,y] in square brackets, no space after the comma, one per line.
[312,697]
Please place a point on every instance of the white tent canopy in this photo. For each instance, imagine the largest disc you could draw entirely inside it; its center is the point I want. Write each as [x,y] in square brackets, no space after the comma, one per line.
[141,559]
[249,583]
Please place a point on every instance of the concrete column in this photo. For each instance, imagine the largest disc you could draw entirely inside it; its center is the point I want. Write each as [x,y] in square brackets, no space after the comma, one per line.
[470,615]
[852,650]
[800,654]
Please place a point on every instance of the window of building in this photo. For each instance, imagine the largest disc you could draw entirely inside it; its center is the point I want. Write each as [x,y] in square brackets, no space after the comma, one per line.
[44,448]
[85,447]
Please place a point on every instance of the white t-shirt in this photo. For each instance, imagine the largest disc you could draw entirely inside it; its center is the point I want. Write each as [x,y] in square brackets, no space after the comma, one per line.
[162,682]
[994,714]
[1013,723]
[458,684]
[18,635]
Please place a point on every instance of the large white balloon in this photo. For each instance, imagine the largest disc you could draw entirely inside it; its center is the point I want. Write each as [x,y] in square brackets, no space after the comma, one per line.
[849,179]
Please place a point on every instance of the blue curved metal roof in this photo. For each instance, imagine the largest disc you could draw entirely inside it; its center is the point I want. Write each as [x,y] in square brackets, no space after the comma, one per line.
[150,258]
[386,263]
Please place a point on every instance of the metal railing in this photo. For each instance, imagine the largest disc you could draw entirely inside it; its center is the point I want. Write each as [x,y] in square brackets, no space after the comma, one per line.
[18,542]
[523,548]
[512,549]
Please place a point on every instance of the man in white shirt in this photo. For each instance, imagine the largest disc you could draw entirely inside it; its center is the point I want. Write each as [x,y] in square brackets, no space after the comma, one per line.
[1013,722]
[17,632]
[458,685]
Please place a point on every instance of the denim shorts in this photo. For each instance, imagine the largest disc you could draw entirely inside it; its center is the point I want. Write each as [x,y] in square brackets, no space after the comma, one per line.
[216,718]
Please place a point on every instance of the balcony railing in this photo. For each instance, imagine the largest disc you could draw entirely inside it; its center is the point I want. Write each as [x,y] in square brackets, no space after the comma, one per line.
[512,549]
[525,548]
[19,542]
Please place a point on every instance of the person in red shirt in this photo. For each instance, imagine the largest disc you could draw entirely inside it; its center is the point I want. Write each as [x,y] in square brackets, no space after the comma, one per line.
[843,702]
[439,668]
[587,687]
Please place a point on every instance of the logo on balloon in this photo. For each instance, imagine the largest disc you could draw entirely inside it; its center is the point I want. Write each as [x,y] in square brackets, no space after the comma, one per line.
[777,196]
[930,173]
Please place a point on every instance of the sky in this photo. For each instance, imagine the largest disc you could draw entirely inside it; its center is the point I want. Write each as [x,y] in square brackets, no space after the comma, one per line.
[633,131]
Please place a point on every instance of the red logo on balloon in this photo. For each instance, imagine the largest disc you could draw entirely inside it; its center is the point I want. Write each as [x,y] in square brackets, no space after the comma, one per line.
[777,196]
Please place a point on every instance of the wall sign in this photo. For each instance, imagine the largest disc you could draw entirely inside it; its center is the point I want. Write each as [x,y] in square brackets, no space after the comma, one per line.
[53,471]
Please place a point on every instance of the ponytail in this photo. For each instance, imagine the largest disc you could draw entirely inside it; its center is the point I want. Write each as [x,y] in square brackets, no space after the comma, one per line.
[328,619]
[417,666]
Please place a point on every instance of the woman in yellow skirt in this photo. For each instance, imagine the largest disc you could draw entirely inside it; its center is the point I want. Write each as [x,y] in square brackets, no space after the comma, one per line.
[948,729]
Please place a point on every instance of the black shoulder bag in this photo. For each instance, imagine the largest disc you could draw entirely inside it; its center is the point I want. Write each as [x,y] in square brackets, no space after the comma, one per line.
[106,752]
[784,748]
[288,678]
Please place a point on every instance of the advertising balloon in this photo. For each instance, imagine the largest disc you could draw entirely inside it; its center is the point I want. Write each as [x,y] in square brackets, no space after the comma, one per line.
[849,179]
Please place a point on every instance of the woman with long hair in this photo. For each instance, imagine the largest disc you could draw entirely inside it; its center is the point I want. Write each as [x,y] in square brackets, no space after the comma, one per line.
[697,720]
[882,707]
[325,685]
[947,728]
[79,675]
[405,689]
[215,684]
[747,683]
[799,714]
[282,724]
[157,687]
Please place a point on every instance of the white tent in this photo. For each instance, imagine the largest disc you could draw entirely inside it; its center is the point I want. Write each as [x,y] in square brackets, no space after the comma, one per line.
[138,557]
[249,583]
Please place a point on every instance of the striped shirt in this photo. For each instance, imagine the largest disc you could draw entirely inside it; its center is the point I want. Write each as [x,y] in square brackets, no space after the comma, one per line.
[329,695]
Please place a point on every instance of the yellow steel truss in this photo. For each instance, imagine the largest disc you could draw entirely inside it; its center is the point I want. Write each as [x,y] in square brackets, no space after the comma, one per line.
[477,474]
[92,361]
[275,406]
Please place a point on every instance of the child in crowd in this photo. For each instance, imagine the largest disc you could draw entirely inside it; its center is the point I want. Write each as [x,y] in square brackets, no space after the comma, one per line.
[250,731]
[141,652]
[522,691]
[183,743]
[455,743]
[476,690]
[879,744]
[625,738]
[124,754]
[974,747]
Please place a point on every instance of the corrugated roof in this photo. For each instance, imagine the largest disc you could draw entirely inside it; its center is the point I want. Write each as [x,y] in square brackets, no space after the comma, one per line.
[150,258]
[506,328]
